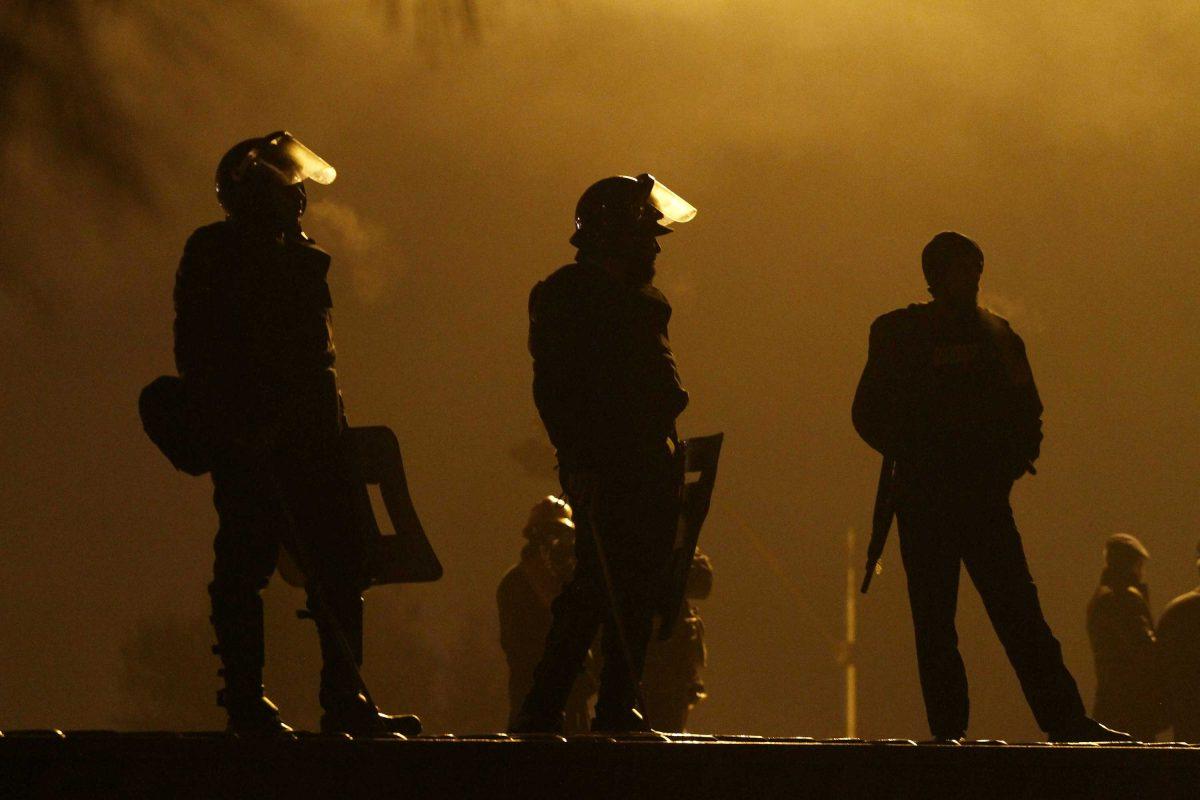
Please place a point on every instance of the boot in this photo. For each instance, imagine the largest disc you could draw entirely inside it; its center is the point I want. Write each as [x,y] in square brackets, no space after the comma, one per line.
[627,721]
[347,708]
[1088,730]
[239,629]
[251,713]
[356,715]
[530,722]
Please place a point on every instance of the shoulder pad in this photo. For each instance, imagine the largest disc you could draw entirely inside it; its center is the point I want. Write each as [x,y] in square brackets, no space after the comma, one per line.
[215,235]
[898,320]
[994,320]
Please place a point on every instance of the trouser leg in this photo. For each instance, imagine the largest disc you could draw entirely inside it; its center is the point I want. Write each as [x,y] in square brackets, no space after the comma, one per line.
[929,550]
[246,549]
[328,540]
[636,528]
[996,562]
[577,614]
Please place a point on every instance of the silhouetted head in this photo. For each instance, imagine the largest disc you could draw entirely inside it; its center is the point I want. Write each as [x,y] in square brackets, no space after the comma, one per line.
[620,218]
[551,530]
[1125,554]
[953,264]
[260,181]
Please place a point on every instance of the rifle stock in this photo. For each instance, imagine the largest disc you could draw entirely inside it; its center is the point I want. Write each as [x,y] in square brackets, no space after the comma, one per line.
[881,520]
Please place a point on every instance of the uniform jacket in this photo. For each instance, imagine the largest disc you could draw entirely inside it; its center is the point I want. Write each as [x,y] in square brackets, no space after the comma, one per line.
[253,335]
[951,396]
[604,378]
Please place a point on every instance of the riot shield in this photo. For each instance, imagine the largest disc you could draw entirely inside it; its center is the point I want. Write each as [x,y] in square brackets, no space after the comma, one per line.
[700,456]
[372,454]
[405,556]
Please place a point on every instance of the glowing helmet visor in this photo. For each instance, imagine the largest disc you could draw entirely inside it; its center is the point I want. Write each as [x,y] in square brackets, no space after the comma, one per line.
[672,207]
[287,159]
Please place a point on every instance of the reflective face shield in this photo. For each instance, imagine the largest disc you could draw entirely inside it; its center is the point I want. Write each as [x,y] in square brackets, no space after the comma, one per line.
[671,207]
[288,161]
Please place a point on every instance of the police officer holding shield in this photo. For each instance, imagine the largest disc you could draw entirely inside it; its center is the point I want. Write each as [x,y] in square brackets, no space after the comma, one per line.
[254,349]
[607,388]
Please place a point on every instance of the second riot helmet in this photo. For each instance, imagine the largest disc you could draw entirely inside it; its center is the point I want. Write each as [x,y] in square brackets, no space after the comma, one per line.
[253,170]
[617,209]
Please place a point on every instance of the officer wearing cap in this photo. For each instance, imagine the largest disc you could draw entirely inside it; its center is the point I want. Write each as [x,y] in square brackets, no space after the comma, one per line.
[1121,630]
[1179,663]
[254,349]
[947,392]
[606,386]
[523,600]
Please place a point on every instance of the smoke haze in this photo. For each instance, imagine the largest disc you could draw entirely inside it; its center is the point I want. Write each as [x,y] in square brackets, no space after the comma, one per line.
[823,143]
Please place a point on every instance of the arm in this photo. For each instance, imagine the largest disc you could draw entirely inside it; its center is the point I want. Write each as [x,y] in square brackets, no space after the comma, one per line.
[1027,417]
[195,310]
[879,402]
[560,380]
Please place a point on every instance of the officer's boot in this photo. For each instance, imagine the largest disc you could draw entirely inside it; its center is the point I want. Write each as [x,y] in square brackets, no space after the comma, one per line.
[347,708]
[239,627]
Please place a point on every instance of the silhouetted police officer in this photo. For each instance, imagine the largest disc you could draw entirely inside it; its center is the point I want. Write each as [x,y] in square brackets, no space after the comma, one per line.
[606,386]
[1121,630]
[1179,663]
[947,391]
[523,600]
[254,347]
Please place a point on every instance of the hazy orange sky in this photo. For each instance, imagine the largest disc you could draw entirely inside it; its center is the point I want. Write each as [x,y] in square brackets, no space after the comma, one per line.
[824,143]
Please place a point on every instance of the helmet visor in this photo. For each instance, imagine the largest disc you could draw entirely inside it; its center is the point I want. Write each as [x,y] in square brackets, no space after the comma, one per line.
[673,207]
[291,162]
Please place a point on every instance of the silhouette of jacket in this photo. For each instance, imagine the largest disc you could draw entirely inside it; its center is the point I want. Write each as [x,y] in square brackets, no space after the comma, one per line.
[945,394]
[253,337]
[1179,665]
[1121,631]
[605,380]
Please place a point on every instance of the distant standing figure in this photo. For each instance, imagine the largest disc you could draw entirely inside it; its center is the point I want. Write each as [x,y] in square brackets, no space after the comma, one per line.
[523,599]
[1121,631]
[948,393]
[672,684]
[1179,663]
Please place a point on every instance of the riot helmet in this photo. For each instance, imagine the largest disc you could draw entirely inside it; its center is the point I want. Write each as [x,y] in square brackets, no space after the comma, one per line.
[551,531]
[616,211]
[263,178]
[550,519]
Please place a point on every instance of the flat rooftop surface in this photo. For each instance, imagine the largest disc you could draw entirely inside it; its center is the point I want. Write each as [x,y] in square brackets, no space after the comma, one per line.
[106,764]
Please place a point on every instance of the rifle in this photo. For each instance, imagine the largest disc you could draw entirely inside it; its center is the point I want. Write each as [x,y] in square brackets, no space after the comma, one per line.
[881,520]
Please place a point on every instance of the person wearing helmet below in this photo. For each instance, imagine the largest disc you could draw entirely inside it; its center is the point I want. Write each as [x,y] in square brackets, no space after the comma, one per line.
[523,599]
[947,392]
[1121,631]
[606,386]
[254,348]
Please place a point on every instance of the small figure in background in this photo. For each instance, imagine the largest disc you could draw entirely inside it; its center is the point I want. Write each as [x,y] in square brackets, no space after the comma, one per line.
[671,681]
[1121,630]
[1179,663]
[524,597]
